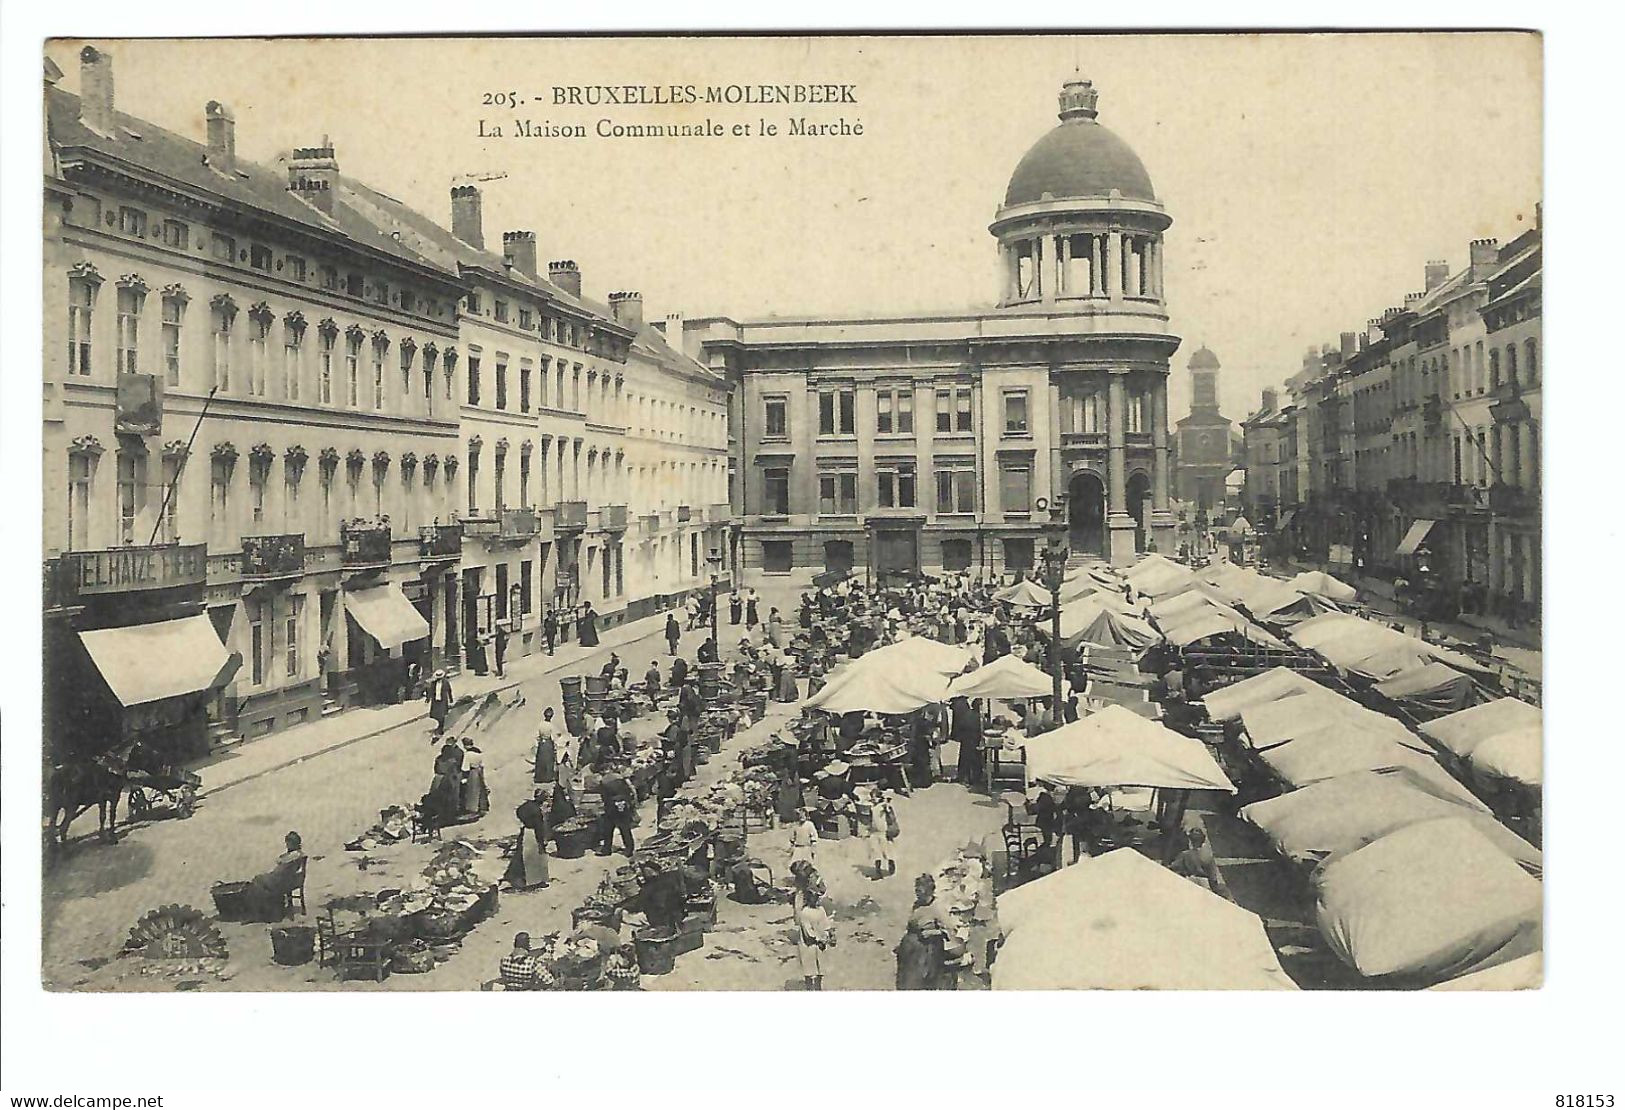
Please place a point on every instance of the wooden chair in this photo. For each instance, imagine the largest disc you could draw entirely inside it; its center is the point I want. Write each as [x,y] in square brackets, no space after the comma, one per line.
[296,895]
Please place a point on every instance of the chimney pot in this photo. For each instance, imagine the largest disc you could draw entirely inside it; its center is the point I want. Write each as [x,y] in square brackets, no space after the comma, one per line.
[1483,255]
[313,175]
[1434,274]
[566,275]
[627,308]
[519,248]
[466,218]
[96,91]
[221,127]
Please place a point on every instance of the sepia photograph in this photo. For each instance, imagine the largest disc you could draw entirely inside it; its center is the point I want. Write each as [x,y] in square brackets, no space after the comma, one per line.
[791,513]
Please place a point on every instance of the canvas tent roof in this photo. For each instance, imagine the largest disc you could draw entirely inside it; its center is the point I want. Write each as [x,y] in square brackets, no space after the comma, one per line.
[1199,596]
[1160,580]
[1328,752]
[1380,910]
[1525,973]
[1206,624]
[881,690]
[1112,629]
[1463,731]
[1321,584]
[1123,922]
[1116,747]
[1005,677]
[1431,686]
[1027,594]
[1514,755]
[1310,711]
[1226,704]
[1331,818]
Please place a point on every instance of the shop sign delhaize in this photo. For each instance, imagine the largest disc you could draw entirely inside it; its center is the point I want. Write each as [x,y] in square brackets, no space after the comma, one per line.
[121,569]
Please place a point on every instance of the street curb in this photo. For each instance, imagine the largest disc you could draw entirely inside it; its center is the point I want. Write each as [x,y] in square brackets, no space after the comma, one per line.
[349,740]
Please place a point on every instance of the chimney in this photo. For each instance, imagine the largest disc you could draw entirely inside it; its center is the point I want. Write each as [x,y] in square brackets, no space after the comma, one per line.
[519,248]
[674,328]
[221,127]
[313,175]
[627,308]
[1482,254]
[1271,399]
[465,215]
[1350,344]
[96,91]
[1434,274]
[566,275]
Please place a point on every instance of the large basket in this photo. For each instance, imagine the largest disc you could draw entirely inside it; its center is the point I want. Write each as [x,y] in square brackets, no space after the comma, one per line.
[572,843]
[231,901]
[657,951]
[293,945]
[439,924]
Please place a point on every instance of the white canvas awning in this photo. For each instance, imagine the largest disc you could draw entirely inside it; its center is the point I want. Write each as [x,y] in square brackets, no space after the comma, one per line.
[1414,537]
[1116,747]
[147,662]
[386,615]
[1005,677]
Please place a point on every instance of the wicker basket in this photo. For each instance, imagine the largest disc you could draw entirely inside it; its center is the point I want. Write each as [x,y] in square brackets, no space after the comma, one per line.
[439,924]
[412,961]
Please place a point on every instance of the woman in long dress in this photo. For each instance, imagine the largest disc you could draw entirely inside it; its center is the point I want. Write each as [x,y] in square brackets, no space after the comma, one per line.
[587,632]
[750,609]
[875,817]
[527,868]
[920,958]
[266,898]
[735,607]
[446,788]
[476,798]
[803,840]
[815,933]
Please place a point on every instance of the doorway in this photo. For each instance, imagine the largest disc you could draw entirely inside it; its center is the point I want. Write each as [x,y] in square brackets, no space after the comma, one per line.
[1086,513]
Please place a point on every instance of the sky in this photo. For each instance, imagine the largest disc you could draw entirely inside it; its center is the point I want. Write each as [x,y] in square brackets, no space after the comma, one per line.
[1309,177]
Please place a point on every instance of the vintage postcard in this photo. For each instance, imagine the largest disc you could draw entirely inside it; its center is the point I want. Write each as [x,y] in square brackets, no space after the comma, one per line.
[803,513]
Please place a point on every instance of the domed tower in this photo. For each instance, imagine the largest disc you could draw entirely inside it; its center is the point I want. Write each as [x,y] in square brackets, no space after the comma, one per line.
[1080,241]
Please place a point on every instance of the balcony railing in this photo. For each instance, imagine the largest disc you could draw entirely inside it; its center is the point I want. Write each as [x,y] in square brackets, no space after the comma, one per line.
[570,515]
[440,541]
[717,514]
[519,524]
[273,556]
[650,522]
[366,543]
[685,513]
[1433,413]
[613,518]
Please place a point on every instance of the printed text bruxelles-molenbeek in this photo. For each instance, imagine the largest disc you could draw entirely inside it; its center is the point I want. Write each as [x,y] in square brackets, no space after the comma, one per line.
[604,95]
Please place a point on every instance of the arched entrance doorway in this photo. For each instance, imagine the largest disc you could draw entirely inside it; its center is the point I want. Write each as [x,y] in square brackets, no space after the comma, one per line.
[1138,490]
[1086,513]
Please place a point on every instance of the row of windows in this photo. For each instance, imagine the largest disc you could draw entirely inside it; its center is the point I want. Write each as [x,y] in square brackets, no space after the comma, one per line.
[896,487]
[222,247]
[351,369]
[778,556]
[894,412]
[566,333]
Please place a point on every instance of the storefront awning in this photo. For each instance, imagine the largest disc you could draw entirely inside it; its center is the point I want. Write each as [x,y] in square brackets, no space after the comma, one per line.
[1413,538]
[386,615]
[147,662]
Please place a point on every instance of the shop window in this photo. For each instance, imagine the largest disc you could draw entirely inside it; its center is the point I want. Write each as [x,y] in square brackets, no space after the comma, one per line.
[956,555]
[290,635]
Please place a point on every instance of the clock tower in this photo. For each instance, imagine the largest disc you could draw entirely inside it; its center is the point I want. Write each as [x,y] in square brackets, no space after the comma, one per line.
[1203,439]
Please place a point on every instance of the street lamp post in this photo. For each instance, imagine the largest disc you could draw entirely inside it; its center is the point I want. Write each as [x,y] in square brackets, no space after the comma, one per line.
[713,559]
[1054,572]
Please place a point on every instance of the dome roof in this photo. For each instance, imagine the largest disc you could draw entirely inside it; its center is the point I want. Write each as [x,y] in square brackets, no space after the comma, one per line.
[1204,359]
[1079,158]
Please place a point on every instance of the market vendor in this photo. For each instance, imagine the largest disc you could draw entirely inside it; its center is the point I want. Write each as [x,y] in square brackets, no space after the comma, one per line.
[708,652]
[691,705]
[527,867]
[266,898]
[651,681]
[476,798]
[921,954]
[620,809]
[445,797]
[520,969]
[679,671]
[965,728]
[545,767]
[835,796]
[1197,863]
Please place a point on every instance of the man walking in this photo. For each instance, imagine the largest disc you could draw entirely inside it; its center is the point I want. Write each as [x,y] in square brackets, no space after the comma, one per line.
[550,630]
[674,631]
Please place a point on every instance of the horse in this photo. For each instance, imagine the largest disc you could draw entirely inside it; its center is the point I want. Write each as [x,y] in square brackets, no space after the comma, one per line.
[73,788]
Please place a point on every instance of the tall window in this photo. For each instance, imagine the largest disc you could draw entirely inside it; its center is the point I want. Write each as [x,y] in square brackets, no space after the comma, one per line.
[473,374]
[1015,489]
[409,350]
[500,473]
[526,576]
[1087,410]
[1495,369]
[293,341]
[225,315]
[259,330]
[895,482]
[776,491]
[174,309]
[776,419]
[220,501]
[956,489]
[81,304]
[1015,412]
[473,479]
[524,387]
[290,634]
[259,474]
[81,469]
[524,477]
[1135,417]
[838,492]
[292,520]
[429,356]
[894,411]
[352,364]
[130,299]
[259,639]
[502,382]
[379,346]
[325,353]
[837,412]
[170,497]
[132,492]
[953,409]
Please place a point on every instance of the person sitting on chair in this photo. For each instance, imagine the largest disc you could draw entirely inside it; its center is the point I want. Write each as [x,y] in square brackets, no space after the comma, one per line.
[520,969]
[266,898]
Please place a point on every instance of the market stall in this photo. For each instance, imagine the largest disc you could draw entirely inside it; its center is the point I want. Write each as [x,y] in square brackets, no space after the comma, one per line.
[1116,747]
[1321,584]
[1430,689]
[1227,703]
[1381,911]
[1005,678]
[1122,922]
